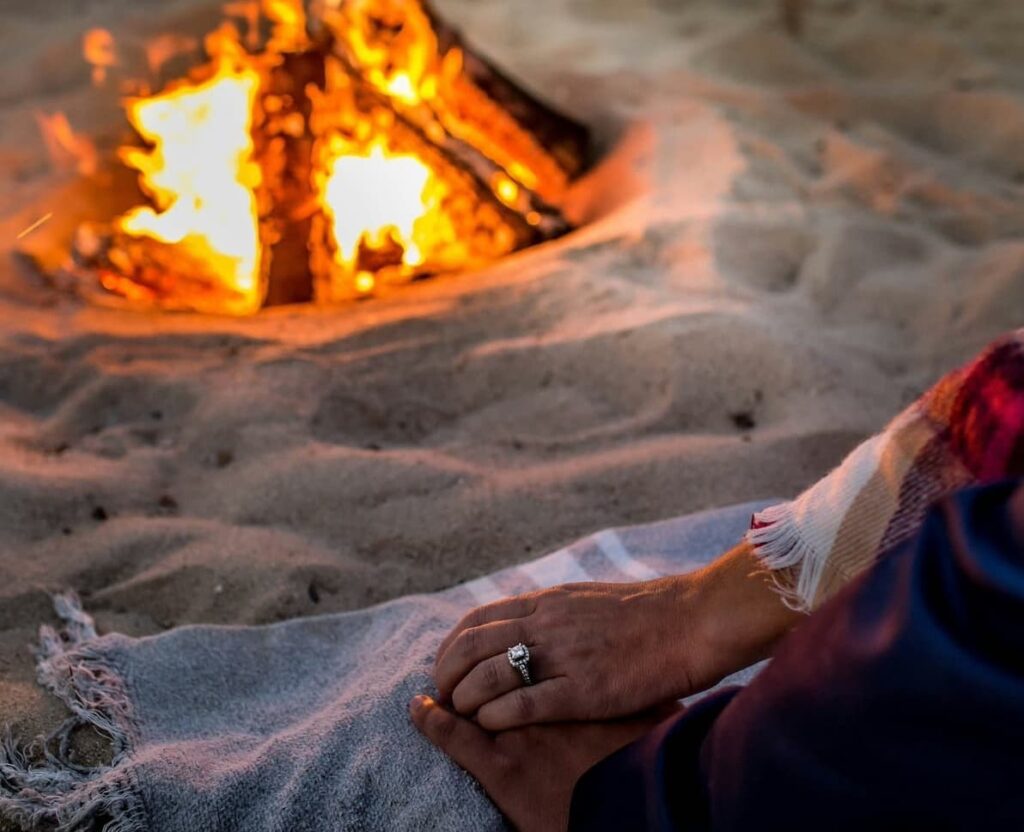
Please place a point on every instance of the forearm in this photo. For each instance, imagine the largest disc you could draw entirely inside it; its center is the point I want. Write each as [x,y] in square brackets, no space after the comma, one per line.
[746,616]
[739,616]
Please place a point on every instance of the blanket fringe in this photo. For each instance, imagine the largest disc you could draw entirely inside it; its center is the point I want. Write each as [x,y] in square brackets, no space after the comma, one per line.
[796,567]
[41,785]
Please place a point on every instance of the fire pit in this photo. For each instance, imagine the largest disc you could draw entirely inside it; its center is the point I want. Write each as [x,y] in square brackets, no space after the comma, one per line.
[319,152]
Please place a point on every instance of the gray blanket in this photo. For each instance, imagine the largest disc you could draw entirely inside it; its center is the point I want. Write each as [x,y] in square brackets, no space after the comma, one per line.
[295,726]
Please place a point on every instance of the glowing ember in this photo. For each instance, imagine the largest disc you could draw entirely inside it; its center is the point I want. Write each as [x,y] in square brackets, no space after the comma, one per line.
[202,178]
[99,50]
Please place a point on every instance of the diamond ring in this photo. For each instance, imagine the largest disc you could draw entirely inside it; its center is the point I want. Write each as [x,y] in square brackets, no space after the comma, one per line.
[519,658]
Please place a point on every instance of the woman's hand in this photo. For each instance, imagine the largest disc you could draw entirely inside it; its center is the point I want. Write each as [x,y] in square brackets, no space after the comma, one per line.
[599,651]
[596,651]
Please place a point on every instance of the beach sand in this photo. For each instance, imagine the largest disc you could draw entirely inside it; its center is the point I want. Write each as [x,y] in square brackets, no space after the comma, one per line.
[784,243]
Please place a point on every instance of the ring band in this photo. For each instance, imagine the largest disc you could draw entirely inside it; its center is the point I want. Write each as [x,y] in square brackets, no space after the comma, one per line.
[519,658]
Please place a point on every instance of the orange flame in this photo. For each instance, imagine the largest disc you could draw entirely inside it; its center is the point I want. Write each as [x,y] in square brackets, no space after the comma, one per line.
[404,63]
[201,176]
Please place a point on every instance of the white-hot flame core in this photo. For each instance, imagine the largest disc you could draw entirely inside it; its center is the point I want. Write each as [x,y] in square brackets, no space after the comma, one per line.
[201,175]
[375,195]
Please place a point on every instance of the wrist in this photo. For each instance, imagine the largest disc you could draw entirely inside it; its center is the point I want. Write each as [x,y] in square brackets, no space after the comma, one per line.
[740,615]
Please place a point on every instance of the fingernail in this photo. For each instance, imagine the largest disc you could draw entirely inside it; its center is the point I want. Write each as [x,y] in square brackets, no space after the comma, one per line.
[419,702]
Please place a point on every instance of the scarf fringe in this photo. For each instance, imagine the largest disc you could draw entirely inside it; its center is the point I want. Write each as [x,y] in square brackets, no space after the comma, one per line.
[40,785]
[796,567]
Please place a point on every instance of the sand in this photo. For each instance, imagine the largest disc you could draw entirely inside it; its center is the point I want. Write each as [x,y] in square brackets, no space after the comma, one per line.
[785,242]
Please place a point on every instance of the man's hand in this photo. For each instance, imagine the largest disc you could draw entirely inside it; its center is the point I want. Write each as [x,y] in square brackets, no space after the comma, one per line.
[529,773]
[601,651]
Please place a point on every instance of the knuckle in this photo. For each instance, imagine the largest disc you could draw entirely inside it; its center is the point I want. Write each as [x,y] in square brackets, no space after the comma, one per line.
[445,672]
[551,618]
[459,698]
[532,603]
[468,643]
[523,705]
[492,676]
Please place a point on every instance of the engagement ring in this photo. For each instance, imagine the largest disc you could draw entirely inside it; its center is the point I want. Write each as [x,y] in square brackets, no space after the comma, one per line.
[519,658]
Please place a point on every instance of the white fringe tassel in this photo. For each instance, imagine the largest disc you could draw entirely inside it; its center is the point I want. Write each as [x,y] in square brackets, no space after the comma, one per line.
[796,566]
[53,792]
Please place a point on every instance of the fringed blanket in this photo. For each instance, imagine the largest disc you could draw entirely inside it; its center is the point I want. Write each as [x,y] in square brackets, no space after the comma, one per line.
[299,726]
[967,430]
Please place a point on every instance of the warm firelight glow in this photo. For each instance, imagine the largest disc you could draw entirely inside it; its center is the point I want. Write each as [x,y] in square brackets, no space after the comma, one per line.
[201,176]
[377,198]
[67,149]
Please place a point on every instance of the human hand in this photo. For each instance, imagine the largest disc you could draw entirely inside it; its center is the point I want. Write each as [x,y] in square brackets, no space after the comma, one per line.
[597,651]
[529,773]
[600,651]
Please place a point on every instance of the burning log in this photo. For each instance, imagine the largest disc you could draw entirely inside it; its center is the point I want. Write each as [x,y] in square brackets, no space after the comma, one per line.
[107,264]
[469,105]
[484,226]
[484,176]
[285,148]
[564,139]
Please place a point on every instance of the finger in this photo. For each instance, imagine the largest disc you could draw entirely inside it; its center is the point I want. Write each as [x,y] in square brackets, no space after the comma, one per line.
[487,681]
[466,743]
[473,646]
[518,607]
[547,701]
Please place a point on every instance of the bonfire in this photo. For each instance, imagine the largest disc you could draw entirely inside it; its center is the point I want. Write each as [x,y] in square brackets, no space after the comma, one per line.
[319,153]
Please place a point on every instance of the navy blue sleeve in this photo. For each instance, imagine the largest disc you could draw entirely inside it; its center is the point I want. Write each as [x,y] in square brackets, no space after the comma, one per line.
[655,783]
[898,704]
